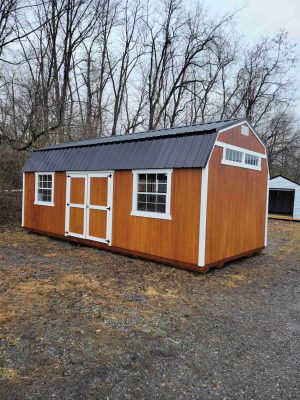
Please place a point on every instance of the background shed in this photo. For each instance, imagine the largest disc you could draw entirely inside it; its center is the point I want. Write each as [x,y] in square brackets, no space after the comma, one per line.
[284,198]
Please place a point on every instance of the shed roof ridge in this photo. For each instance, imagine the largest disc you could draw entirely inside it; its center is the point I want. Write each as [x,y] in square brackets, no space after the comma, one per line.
[144,135]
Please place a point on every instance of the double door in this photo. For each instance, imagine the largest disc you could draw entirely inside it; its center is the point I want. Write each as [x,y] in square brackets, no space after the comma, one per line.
[89,206]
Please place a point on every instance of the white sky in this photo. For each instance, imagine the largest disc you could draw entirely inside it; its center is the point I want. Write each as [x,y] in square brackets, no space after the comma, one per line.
[260,17]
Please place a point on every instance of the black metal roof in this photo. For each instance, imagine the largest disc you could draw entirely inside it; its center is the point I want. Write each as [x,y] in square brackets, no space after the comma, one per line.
[178,147]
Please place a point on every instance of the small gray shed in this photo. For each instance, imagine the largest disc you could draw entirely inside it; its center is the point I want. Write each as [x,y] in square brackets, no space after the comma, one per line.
[284,198]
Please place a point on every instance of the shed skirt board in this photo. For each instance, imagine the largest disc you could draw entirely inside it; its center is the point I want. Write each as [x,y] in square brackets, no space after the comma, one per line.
[281,201]
[89,206]
[150,257]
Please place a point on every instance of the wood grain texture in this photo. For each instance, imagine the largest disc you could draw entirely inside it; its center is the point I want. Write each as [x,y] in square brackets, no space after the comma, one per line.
[236,209]
[177,239]
[77,190]
[97,223]
[98,191]
[234,136]
[45,218]
[76,220]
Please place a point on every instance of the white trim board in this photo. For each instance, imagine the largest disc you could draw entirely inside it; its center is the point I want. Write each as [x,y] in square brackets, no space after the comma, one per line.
[243,149]
[203,212]
[23,198]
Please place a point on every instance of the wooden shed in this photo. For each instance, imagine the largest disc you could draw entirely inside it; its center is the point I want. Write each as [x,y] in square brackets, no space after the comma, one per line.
[192,196]
[284,198]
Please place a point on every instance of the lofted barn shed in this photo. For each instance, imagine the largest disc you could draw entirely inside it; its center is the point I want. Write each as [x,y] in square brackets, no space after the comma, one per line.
[192,196]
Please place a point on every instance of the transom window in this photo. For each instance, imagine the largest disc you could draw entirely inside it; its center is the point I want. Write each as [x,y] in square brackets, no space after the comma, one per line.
[251,159]
[44,188]
[241,157]
[234,155]
[151,197]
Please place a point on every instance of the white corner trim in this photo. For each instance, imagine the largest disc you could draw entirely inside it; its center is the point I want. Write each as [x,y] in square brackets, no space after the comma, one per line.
[147,214]
[203,213]
[267,206]
[23,198]
[244,122]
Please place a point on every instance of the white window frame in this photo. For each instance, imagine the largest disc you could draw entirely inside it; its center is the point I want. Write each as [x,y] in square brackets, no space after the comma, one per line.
[243,151]
[39,202]
[148,214]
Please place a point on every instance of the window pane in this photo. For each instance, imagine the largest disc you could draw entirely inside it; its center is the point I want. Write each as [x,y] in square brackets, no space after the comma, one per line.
[251,159]
[151,178]
[151,188]
[233,155]
[141,206]
[142,178]
[161,208]
[151,207]
[162,178]
[142,187]
[151,198]
[142,198]
[162,188]
[161,199]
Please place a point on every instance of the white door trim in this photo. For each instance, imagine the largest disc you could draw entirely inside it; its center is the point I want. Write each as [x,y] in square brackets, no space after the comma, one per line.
[107,208]
[86,206]
[69,176]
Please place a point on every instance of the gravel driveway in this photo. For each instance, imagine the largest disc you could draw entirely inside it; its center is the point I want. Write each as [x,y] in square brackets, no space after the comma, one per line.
[80,323]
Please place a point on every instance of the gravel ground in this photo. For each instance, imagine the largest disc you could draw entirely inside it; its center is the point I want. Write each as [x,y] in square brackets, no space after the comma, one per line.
[80,323]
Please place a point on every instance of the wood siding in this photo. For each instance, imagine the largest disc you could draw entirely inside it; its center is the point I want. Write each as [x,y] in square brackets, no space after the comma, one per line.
[236,209]
[175,239]
[45,218]
[233,136]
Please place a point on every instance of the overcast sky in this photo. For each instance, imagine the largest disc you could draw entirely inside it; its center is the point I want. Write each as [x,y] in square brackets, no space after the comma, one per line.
[259,17]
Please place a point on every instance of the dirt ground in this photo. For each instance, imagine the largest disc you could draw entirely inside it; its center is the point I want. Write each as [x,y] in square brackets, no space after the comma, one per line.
[80,323]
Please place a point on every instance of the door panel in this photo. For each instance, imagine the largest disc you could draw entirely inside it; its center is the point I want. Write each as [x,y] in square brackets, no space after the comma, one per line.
[97,223]
[77,190]
[76,220]
[89,206]
[98,191]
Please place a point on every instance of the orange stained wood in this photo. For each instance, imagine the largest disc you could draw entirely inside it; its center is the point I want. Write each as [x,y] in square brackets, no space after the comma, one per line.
[177,239]
[77,190]
[98,191]
[97,223]
[76,224]
[234,136]
[45,218]
[236,209]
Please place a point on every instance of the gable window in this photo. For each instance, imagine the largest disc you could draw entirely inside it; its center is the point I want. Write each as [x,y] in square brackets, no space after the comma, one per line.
[250,159]
[239,157]
[44,188]
[151,193]
[234,155]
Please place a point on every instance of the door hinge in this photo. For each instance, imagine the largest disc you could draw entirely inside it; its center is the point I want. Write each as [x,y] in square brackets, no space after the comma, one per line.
[66,233]
[107,241]
[68,176]
[108,208]
[68,204]
[109,176]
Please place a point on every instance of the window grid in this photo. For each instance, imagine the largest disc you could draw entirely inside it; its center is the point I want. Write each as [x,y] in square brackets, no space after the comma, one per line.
[152,192]
[234,155]
[44,188]
[250,159]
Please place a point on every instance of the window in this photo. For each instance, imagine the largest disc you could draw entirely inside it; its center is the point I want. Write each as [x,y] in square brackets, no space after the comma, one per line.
[234,155]
[239,157]
[250,159]
[151,193]
[44,189]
